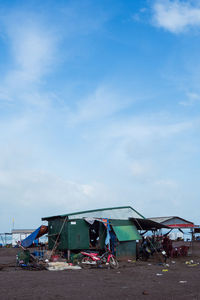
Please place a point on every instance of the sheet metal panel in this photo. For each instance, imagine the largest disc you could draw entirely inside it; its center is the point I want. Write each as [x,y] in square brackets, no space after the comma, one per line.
[126,233]
[126,250]
[78,234]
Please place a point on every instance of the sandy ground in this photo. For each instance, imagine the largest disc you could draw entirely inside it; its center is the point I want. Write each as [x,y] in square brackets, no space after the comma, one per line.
[133,280]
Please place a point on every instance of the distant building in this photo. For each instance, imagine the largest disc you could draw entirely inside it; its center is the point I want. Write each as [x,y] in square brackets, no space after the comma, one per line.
[19,234]
[173,222]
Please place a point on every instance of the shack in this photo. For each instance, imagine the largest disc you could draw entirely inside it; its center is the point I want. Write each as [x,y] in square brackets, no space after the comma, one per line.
[174,222]
[91,230]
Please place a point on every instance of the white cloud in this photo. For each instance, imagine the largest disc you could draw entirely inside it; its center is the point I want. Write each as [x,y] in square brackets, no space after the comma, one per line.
[33,49]
[192,98]
[141,169]
[102,103]
[28,195]
[167,183]
[176,16]
[144,128]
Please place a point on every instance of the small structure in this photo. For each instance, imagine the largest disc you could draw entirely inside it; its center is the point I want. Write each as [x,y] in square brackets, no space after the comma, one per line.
[90,229]
[173,222]
[20,234]
[5,238]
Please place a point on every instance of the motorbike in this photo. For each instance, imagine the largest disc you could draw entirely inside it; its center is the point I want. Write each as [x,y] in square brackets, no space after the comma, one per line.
[94,259]
[144,253]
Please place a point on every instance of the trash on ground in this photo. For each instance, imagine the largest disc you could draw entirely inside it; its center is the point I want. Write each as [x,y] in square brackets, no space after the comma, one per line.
[182,281]
[60,266]
[158,274]
[164,270]
[145,293]
[192,265]
[167,265]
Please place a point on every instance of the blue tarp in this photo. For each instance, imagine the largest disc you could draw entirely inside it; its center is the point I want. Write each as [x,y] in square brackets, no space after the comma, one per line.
[28,241]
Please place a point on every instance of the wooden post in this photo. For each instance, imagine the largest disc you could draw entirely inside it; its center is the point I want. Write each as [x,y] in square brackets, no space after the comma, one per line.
[68,255]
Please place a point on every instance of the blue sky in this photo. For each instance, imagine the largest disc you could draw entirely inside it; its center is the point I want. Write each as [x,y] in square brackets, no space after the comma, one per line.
[99,107]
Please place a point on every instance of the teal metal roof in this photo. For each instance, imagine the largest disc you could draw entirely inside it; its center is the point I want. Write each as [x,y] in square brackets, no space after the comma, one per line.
[119,212]
[126,233]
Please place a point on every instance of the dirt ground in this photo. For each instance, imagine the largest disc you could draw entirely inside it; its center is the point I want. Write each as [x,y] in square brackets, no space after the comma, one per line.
[133,280]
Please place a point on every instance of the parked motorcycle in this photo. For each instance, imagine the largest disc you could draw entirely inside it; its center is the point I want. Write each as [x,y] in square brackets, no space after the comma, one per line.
[94,259]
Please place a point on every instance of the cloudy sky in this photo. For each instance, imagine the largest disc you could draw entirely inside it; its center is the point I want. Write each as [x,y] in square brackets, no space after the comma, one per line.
[99,107]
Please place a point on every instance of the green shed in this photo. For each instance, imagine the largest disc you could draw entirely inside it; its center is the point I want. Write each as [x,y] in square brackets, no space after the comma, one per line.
[87,230]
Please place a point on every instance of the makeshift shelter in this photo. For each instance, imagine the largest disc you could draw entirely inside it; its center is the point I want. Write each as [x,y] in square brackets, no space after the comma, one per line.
[91,229]
[173,222]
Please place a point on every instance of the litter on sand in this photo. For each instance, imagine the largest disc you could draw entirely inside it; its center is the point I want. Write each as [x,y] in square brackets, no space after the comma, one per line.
[164,270]
[192,265]
[167,265]
[145,293]
[182,281]
[60,266]
[132,261]
[158,274]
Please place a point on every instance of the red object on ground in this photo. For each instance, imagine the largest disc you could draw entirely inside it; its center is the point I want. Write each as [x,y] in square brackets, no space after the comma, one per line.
[54,258]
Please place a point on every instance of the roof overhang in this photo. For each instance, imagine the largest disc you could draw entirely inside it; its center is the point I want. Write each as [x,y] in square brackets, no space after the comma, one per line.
[146,224]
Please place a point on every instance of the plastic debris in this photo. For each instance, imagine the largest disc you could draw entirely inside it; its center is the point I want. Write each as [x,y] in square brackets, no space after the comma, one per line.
[60,266]
[164,270]
[167,265]
[182,281]
[192,265]
[145,293]
[158,274]
[131,261]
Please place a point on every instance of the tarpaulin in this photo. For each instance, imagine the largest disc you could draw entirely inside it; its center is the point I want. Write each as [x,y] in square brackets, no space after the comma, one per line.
[28,241]
[126,233]
[107,225]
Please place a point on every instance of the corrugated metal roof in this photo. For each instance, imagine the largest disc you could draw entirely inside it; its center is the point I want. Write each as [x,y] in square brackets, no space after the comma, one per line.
[147,224]
[120,212]
[126,233]
[166,219]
